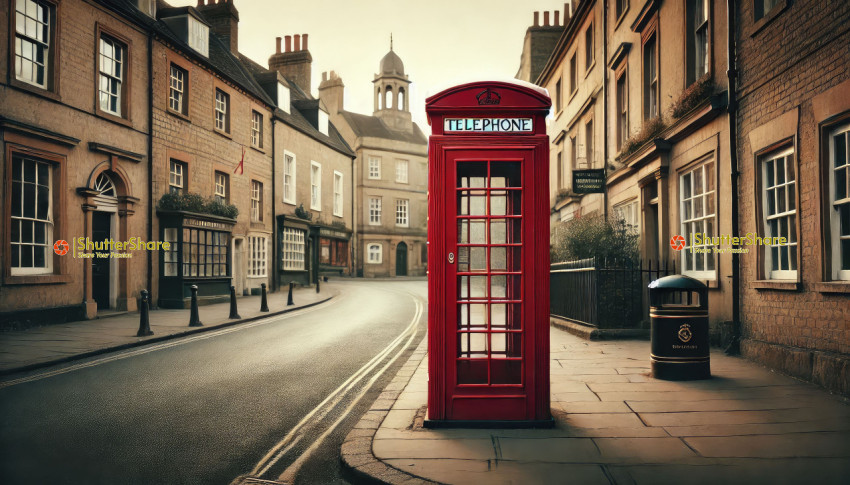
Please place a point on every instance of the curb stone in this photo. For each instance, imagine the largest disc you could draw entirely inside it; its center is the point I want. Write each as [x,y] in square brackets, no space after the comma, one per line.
[593,333]
[356,454]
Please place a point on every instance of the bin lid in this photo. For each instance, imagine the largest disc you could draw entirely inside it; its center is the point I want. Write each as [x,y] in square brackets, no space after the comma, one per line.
[677,282]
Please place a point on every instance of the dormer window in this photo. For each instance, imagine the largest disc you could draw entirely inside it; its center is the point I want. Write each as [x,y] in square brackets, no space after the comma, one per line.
[199,36]
[147,7]
[323,122]
[283,97]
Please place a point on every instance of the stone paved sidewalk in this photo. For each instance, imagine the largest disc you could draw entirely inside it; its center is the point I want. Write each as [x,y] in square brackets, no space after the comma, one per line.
[40,346]
[616,424]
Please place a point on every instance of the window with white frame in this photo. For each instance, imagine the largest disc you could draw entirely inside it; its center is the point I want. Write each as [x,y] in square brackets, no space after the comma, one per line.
[627,212]
[315,186]
[573,73]
[222,111]
[170,256]
[256,201]
[292,247]
[283,97]
[337,193]
[697,194]
[256,129]
[33,41]
[177,90]
[111,64]
[401,168]
[289,178]
[257,256]
[374,253]
[697,41]
[221,183]
[839,201]
[779,207]
[31,231]
[402,209]
[588,48]
[176,171]
[199,36]
[650,78]
[323,122]
[374,168]
[374,211]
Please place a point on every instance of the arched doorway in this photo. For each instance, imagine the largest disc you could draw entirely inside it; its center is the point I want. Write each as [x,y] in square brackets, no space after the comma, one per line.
[401,259]
[104,228]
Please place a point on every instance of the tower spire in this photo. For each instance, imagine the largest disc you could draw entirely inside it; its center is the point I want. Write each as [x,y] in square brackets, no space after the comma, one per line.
[391,41]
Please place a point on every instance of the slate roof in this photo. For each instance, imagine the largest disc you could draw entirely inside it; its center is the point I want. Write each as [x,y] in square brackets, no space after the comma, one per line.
[365,125]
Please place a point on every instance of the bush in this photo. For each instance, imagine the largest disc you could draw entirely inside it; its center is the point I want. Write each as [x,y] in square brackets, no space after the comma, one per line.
[196,203]
[592,237]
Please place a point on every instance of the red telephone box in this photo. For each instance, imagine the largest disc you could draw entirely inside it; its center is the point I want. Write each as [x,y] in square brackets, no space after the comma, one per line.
[488,262]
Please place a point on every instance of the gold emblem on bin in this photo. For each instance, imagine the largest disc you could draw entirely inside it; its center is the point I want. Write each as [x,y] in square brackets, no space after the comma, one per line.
[685,334]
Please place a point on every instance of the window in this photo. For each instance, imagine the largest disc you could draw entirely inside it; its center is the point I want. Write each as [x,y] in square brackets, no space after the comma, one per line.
[560,180]
[199,36]
[622,109]
[148,7]
[697,213]
[402,207]
[256,201]
[839,201]
[177,90]
[315,186]
[221,184]
[650,78]
[170,256]
[558,102]
[621,7]
[338,194]
[31,231]
[588,142]
[283,97]
[780,214]
[323,122]
[588,48]
[573,74]
[34,36]
[112,68]
[222,111]
[401,167]
[293,249]
[176,183]
[627,213]
[763,7]
[256,129]
[289,178]
[374,211]
[333,252]
[257,256]
[374,168]
[574,151]
[697,41]
[205,253]
[374,253]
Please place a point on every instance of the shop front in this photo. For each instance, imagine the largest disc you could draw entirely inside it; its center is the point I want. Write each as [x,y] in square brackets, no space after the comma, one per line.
[294,250]
[334,250]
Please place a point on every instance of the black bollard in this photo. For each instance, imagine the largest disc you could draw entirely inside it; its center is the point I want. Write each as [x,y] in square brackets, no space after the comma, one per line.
[264,303]
[317,284]
[194,318]
[233,313]
[144,319]
[325,279]
[289,301]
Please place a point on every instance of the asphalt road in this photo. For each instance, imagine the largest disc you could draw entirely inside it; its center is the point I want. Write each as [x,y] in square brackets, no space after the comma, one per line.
[208,410]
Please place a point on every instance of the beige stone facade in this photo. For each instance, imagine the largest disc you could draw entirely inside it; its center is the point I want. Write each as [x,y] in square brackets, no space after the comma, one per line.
[390,174]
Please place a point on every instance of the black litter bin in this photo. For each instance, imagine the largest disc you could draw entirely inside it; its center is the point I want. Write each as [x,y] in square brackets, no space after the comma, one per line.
[679,317]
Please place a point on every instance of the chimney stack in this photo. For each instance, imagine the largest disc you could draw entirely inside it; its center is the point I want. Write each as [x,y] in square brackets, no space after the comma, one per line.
[537,19]
[331,92]
[293,63]
[223,19]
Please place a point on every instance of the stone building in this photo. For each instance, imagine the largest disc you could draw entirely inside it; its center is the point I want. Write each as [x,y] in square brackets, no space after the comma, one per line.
[793,135]
[390,173]
[74,124]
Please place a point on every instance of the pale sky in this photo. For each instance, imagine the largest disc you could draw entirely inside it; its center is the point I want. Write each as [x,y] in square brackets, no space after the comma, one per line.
[441,42]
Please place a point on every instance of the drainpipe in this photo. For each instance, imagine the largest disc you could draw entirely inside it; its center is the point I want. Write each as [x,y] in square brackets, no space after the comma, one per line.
[150,163]
[604,68]
[273,265]
[732,74]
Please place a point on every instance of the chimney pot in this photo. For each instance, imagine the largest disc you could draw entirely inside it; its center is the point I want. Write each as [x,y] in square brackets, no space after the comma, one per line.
[536,19]
[557,22]
[297,43]
[288,43]
[546,18]
[324,76]
[200,3]
[277,42]
[304,41]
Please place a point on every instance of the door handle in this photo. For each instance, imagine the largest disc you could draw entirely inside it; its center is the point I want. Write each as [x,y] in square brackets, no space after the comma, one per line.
[451,258]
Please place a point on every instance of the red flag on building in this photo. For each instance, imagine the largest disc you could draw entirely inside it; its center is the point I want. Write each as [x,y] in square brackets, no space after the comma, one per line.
[241,166]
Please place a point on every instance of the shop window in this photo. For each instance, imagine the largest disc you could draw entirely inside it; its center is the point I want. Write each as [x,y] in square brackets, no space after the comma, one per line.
[292,246]
[205,253]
